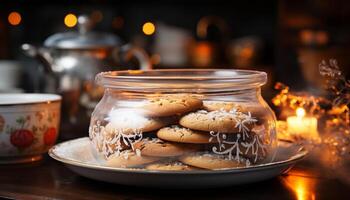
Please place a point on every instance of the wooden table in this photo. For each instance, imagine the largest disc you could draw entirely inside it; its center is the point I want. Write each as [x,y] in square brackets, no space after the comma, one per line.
[49,179]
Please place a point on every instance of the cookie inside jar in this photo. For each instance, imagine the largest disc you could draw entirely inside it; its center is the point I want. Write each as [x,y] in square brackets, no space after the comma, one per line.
[183,120]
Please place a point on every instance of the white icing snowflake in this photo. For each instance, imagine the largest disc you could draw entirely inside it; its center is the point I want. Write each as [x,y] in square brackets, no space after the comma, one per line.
[114,141]
[243,121]
[232,152]
[240,145]
[256,147]
[233,111]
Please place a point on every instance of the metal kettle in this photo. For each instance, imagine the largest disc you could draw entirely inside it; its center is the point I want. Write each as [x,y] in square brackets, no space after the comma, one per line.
[72,59]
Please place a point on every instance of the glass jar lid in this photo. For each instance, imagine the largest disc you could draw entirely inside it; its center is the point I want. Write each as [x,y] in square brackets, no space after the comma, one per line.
[82,39]
[167,80]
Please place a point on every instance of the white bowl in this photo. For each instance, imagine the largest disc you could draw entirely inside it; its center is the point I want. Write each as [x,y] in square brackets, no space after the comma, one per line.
[28,126]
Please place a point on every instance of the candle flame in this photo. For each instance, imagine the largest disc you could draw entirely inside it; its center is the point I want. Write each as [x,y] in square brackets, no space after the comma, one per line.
[300,112]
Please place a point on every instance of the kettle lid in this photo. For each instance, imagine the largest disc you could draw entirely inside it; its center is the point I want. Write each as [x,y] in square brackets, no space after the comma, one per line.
[82,39]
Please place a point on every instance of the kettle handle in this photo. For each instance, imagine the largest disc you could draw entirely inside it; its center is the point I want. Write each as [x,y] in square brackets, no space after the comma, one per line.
[128,51]
[37,53]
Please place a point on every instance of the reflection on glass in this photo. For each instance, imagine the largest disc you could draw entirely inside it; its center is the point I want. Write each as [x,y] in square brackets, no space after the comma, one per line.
[303,187]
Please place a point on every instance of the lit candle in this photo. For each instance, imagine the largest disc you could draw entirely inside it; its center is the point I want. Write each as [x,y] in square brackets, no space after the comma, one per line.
[305,127]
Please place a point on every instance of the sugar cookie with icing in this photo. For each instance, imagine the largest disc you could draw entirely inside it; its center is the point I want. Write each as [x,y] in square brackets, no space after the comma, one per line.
[170,105]
[160,148]
[218,121]
[207,160]
[183,135]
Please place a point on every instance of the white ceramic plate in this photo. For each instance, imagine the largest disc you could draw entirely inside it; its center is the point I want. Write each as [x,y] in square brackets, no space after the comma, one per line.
[80,157]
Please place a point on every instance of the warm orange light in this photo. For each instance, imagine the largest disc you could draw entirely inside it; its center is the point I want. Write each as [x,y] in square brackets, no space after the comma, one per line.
[203,49]
[303,127]
[148,28]
[135,71]
[302,187]
[247,52]
[14,18]
[202,54]
[70,20]
[300,112]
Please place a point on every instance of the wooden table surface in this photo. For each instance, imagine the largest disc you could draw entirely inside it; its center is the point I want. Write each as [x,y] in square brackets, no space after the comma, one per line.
[49,179]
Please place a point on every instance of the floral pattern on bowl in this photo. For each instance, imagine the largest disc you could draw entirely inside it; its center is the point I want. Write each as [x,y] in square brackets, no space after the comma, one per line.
[28,129]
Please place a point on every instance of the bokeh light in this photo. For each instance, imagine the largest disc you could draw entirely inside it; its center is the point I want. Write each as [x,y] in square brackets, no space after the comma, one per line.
[70,20]
[14,18]
[302,185]
[148,28]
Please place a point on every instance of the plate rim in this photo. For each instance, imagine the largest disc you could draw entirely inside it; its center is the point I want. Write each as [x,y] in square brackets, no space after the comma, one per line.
[302,152]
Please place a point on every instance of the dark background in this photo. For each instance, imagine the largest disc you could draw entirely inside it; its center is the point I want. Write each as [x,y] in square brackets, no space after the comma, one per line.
[280,26]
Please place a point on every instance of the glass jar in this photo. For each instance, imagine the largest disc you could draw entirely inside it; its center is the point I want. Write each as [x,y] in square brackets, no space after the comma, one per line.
[183,120]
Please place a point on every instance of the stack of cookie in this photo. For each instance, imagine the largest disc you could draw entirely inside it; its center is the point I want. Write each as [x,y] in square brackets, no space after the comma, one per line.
[181,132]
